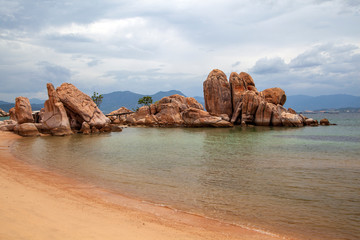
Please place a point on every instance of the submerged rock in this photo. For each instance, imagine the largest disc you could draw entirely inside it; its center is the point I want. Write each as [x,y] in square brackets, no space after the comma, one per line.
[324,122]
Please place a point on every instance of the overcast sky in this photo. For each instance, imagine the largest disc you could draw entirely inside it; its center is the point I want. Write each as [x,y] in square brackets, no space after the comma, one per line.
[305,47]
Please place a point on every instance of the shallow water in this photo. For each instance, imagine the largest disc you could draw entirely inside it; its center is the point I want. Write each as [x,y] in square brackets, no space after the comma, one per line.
[302,182]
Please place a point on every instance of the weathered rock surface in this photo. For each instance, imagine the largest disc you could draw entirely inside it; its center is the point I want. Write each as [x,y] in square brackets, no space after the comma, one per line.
[3,113]
[291,120]
[81,106]
[7,125]
[12,114]
[54,116]
[274,95]
[120,119]
[311,122]
[175,111]
[250,84]
[324,122]
[238,87]
[251,101]
[217,93]
[27,130]
[23,112]
[264,113]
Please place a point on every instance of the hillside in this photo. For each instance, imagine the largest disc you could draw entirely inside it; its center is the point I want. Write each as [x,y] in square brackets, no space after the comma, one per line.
[303,102]
[115,100]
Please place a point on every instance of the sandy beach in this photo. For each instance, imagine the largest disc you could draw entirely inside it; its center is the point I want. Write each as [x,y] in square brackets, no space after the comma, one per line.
[38,204]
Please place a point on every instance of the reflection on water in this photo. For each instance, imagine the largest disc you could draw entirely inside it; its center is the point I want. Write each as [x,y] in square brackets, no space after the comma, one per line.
[301,182]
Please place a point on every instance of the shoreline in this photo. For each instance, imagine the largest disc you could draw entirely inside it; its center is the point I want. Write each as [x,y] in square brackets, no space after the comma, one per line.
[39,204]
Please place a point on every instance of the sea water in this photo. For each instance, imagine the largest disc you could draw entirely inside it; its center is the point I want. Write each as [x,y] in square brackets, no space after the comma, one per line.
[299,182]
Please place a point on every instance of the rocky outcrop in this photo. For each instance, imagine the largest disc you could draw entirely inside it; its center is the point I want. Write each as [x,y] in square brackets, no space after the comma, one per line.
[7,125]
[3,113]
[23,112]
[324,122]
[81,106]
[175,111]
[248,105]
[115,116]
[217,93]
[250,84]
[54,116]
[27,130]
[274,95]
[12,114]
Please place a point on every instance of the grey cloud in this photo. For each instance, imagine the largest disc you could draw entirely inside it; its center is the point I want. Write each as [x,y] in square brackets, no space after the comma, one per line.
[324,69]
[269,66]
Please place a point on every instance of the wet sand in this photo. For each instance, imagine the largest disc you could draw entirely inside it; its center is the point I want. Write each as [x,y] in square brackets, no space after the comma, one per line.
[38,204]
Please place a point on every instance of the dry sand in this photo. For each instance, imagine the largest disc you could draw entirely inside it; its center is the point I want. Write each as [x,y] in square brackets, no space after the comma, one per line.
[38,204]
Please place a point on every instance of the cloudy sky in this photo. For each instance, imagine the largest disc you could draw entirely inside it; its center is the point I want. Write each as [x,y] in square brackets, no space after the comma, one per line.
[307,47]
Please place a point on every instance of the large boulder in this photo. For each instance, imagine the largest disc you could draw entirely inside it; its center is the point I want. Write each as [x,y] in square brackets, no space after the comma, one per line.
[27,130]
[274,95]
[276,119]
[194,117]
[217,93]
[81,106]
[7,125]
[54,116]
[238,87]
[291,120]
[12,114]
[264,113]
[251,101]
[23,111]
[250,84]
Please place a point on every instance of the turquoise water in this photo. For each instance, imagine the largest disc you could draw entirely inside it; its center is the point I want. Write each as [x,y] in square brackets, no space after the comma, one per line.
[302,182]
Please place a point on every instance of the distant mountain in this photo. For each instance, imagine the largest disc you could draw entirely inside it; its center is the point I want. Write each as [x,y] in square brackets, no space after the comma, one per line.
[200,100]
[303,102]
[36,101]
[115,100]
[6,106]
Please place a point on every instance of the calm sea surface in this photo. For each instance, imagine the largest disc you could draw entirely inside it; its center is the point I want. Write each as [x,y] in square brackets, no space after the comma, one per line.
[302,182]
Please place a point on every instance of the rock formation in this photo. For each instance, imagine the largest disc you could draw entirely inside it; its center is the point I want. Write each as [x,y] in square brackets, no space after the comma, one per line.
[23,112]
[3,113]
[274,95]
[247,104]
[80,106]
[53,116]
[217,93]
[172,111]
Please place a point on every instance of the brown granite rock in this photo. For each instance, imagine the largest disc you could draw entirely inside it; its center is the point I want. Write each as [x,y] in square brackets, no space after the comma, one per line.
[264,113]
[311,122]
[23,110]
[27,130]
[290,110]
[3,113]
[120,119]
[238,87]
[85,128]
[194,117]
[274,95]
[250,84]
[12,114]
[291,120]
[54,116]
[276,115]
[251,101]
[7,125]
[324,122]
[81,105]
[217,93]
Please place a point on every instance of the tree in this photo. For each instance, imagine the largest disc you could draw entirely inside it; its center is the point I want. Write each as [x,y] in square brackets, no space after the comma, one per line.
[97,98]
[146,101]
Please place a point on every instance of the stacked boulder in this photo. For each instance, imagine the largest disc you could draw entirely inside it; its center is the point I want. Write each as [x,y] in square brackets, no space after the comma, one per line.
[244,104]
[172,111]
